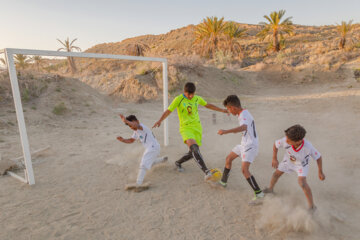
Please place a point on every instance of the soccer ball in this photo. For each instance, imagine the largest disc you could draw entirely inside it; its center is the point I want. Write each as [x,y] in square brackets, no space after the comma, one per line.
[216,175]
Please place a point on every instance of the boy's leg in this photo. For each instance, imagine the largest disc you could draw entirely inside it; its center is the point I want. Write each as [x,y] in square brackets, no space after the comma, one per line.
[139,186]
[251,179]
[147,161]
[197,155]
[275,177]
[305,187]
[184,158]
[227,168]
[159,160]
[141,175]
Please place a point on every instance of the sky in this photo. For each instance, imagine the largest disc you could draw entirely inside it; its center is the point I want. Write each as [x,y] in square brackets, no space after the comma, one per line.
[36,24]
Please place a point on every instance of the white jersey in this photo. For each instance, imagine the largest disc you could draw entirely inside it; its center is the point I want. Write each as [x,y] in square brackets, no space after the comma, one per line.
[146,137]
[299,156]
[250,137]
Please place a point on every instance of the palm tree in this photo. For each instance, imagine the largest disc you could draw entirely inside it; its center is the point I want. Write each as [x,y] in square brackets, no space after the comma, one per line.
[37,61]
[209,33]
[137,49]
[69,47]
[232,33]
[21,61]
[344,28]
[275,28]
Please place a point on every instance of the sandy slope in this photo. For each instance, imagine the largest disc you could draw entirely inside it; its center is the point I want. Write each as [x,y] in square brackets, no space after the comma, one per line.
[79,183]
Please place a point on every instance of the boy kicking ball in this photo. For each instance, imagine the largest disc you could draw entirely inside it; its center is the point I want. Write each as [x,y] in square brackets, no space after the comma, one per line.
[190,126]
[152,150]
[296,159]
[247,150]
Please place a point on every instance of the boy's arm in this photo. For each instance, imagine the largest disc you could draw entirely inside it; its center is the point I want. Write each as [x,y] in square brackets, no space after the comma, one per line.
[275,162]
[162,118]
[129,140]
[132,124]
[215,108]
[321,174]
[233,130]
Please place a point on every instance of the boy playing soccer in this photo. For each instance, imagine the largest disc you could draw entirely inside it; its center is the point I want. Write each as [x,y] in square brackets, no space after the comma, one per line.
[190,125]
[152,150]
[247,150]
[296,159]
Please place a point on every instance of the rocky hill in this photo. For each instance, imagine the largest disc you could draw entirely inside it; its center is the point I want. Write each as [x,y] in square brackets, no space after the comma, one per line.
[311,55]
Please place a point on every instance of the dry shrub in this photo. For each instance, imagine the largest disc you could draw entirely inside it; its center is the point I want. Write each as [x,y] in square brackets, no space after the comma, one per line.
[31,85]
[186,62]
[137,89]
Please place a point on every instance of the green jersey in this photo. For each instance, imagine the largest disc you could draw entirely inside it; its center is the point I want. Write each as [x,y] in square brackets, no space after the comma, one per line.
[187,109]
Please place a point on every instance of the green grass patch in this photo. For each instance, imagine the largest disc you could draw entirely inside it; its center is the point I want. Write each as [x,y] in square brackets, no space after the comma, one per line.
[59,109]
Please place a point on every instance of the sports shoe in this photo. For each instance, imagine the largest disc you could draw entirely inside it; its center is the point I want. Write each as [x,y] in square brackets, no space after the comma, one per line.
[208,175]
[164,159]
[268,190]
[130,186]
[221,183]
[142,187]
[178,167]
[137,188]
[257,200]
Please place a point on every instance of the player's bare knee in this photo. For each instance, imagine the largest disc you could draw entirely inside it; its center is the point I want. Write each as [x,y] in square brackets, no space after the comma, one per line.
[245,171]
[229,159]
[276,175]
[302,183]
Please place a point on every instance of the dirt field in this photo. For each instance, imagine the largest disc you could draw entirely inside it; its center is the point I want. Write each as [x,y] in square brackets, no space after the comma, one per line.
[79,191]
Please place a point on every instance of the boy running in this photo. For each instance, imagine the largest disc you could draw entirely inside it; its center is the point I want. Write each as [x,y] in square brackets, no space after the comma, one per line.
[152,150]
[247,150]
[190,125]
[296,159]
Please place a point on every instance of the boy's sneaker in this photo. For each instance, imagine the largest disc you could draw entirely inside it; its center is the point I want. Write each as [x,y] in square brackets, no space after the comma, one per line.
[142,187]
[178,167]
[221,184]
[164,159]
[208,175]
[137,188]
[257,200]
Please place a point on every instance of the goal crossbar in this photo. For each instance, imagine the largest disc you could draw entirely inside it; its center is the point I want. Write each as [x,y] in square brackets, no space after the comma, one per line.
[9,55]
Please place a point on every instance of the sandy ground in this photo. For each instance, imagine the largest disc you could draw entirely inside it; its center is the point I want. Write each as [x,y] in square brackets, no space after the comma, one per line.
[79,191]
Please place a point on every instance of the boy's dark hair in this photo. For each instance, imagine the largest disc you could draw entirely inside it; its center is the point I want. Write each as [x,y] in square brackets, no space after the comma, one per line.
[189,87]
[295,133]
[131,118]
[232,100]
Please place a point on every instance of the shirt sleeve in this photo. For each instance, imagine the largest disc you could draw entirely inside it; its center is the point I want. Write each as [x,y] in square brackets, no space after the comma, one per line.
[174,104]
[280,142]
[135,136]
[244,119]
[314,153]
[202,101]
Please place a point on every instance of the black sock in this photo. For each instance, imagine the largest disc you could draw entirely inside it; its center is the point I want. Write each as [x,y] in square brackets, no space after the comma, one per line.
[199,159]
[185,158]
[251,180]
[225,175]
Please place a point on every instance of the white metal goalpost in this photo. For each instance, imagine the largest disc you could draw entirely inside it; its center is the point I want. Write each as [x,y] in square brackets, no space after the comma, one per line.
[9,56]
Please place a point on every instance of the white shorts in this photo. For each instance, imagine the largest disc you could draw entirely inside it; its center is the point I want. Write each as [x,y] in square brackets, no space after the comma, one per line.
[247,154]
[287,167]
[149,157]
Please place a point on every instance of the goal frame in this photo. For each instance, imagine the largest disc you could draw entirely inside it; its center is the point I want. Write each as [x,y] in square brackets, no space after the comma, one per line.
[9,56]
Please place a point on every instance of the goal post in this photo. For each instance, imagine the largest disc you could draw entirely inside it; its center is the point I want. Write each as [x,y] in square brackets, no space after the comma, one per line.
[9,56]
